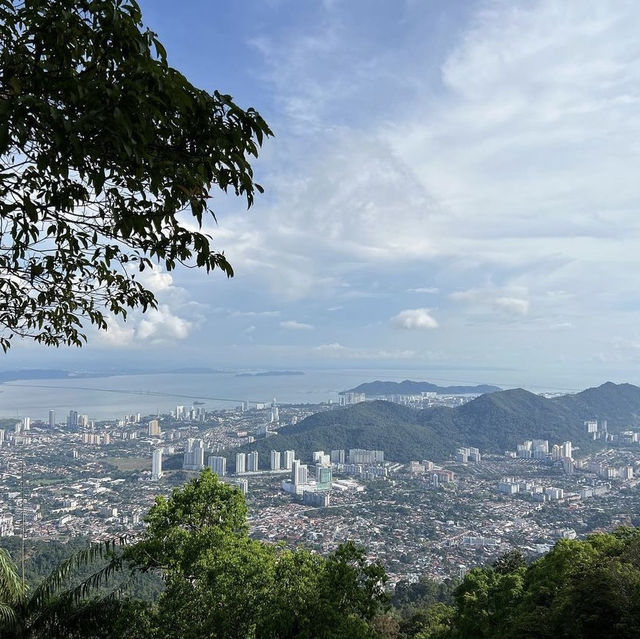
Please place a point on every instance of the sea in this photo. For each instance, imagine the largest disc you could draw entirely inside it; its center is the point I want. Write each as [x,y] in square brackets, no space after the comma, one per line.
[115,396]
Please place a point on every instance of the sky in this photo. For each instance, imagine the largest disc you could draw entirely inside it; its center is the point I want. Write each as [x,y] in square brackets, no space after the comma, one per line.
[451,186]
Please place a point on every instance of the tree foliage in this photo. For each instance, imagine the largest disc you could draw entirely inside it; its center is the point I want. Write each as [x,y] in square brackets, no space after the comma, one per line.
[62,606]
[107,159]
[580,590]
[198,539]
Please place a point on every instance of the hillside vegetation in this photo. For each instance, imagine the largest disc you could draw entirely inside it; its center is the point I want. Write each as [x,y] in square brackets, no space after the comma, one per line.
[493,422]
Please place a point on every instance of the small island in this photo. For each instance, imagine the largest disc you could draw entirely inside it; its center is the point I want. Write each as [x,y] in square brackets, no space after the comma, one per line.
[408,387]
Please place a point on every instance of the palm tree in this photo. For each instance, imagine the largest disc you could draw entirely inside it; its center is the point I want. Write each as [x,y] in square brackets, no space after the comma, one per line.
[11,591]
[56,608]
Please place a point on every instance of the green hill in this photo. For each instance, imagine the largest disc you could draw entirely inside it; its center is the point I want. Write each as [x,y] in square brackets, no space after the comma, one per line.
[376,425]
[493,422]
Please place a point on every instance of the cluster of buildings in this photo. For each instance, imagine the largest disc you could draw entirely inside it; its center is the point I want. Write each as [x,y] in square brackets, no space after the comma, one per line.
[607,471]
[348,399]
[513,486]
[431,472]
[468,454]
[539,449]
[189,414]
[314,489]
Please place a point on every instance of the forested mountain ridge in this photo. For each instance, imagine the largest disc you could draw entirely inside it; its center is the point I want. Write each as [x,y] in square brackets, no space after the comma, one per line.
[493,422]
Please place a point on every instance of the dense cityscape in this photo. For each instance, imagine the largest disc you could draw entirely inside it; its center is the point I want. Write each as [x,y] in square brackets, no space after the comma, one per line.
[75,477]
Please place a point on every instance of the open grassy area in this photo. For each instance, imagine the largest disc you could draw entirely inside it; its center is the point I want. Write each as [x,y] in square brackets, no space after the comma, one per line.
[129,463]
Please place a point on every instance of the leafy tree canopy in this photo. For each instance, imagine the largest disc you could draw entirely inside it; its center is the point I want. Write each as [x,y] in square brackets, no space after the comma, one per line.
[107,158]
[241,587]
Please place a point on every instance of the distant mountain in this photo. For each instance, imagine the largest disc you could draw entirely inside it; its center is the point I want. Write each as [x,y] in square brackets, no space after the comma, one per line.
[493,422]
[408,387]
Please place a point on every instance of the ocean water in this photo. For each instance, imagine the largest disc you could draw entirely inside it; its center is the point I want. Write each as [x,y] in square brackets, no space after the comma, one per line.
[116,396]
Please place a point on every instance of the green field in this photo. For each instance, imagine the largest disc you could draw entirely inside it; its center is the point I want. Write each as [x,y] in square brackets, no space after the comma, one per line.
[129,463]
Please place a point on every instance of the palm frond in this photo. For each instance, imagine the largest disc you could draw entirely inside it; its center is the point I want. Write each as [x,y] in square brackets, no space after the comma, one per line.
[11,589]
[8,617]
[52,586]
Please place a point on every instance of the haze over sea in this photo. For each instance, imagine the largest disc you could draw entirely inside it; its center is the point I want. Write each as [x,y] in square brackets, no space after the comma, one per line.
[117,395]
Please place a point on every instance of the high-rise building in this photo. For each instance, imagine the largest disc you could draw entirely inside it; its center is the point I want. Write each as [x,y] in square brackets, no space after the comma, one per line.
[338,457]
[275,415]
[179,412]
[198,452]
[323,477]
[346,399]
[26,423]
[154,428]
[289,456]
[241,463]
[252,461]
[1,436]
[299,472]
[52,418]
[72,419]
[362,456]
[275,460]
[567,449]
[194,455]
[156,464]
[218,465]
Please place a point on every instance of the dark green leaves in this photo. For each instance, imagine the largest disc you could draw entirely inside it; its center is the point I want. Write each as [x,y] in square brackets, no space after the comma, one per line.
[103,147]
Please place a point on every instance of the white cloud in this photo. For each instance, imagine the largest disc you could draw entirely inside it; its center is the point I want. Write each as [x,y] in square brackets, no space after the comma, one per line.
[415,318]
[296,326]
[173,320]
[520,164]
[154,327]
[510,301]
[255,313]
[161,324]
[503,173]
[512,305]
[337,350]
[155,279]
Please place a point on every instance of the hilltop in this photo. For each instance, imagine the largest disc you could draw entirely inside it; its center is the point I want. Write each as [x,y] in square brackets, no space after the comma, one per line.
[493,422]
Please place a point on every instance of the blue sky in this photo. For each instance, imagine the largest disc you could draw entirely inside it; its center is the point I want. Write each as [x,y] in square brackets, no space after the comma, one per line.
[452,184]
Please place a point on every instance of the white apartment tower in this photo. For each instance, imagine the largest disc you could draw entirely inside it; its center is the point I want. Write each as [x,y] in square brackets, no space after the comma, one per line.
[275,416]
[300,473]
[156,464]
[252,461]
[218,465]
[289,456]
[275,460]
[241,463]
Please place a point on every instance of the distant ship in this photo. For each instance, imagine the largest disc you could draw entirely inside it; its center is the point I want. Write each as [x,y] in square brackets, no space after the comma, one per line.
[197,403]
